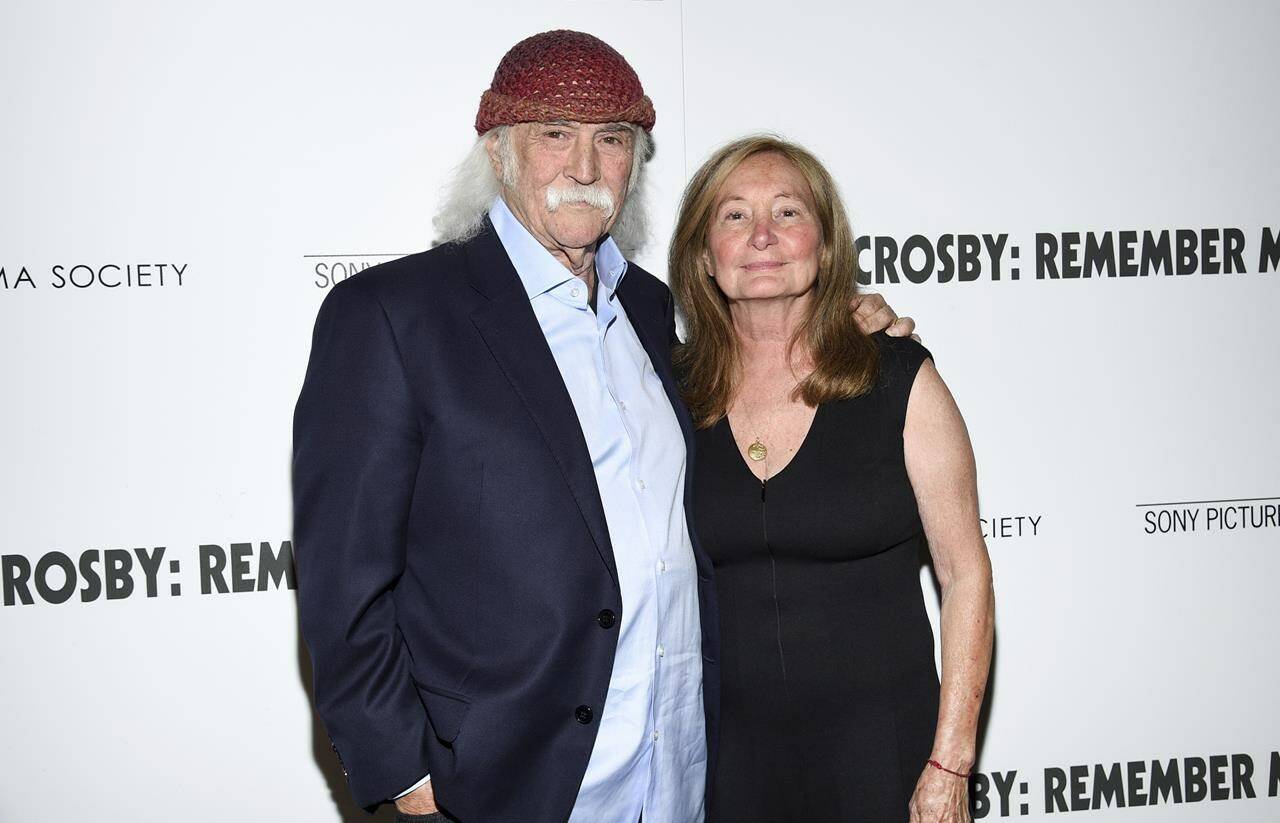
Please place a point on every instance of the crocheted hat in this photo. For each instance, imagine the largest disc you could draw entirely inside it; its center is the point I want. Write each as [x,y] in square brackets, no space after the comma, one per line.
[564,75]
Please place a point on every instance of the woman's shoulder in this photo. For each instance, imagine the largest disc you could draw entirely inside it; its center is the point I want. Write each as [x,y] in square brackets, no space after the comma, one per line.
[900,361]
[900,354]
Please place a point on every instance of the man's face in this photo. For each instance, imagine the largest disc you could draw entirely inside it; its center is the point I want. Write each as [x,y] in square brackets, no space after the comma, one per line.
[570,179]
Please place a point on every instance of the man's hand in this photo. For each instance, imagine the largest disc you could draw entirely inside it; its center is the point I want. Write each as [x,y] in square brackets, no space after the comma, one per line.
[873,314]
[421,800]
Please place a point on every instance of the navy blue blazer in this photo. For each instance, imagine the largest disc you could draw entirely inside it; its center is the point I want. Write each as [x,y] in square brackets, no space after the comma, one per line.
[450,541]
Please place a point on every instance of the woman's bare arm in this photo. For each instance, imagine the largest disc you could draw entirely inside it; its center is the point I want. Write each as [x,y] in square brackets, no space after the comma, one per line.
[940,464]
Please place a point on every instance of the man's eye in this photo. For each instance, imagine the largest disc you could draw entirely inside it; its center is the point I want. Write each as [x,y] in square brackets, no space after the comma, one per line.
[612,139]
[555,134]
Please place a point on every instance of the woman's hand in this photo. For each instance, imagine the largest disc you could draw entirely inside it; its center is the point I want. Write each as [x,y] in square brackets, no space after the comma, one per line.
[940,798]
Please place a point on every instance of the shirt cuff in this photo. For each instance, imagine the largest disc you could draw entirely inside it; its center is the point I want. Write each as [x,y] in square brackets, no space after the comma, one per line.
[415,786]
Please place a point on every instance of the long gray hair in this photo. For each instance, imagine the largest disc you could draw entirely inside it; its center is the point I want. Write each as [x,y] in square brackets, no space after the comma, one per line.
[473,185]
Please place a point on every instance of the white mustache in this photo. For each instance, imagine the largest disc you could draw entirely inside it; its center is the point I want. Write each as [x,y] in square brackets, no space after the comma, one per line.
[595,196]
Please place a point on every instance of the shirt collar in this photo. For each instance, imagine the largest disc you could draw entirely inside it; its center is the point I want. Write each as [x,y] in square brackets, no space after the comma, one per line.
[610,265]
[540,272]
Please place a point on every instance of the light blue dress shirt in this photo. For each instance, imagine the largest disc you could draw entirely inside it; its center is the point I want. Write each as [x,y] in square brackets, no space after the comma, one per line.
[650,753]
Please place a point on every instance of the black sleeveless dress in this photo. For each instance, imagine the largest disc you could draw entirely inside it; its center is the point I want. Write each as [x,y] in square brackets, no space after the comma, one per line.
[829,690]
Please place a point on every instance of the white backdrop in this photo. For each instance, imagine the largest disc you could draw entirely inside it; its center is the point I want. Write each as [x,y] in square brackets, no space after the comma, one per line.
[258,150]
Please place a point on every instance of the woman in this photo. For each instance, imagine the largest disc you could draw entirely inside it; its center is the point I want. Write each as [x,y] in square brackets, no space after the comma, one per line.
[826,460]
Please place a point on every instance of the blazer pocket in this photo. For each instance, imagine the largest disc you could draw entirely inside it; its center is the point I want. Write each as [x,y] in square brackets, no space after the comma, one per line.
[445,709]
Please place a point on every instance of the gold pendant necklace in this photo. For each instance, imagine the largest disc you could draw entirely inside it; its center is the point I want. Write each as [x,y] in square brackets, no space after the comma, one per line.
[757,451]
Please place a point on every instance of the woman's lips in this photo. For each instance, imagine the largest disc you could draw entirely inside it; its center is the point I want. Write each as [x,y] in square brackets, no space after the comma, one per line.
[765,265]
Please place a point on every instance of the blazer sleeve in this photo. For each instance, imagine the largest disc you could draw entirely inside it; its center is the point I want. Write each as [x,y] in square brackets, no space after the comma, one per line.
[356,447]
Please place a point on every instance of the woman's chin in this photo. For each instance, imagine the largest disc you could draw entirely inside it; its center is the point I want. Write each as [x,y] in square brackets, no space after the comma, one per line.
[767,288]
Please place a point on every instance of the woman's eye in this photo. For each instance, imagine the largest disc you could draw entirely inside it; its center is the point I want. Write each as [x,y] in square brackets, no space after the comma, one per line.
[734,215]
[789,212]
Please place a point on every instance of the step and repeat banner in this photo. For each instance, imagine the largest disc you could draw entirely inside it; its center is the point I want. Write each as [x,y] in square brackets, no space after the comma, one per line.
[1079,204]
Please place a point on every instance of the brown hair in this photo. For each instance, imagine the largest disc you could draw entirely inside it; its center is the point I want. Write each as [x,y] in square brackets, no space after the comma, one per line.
[845,360]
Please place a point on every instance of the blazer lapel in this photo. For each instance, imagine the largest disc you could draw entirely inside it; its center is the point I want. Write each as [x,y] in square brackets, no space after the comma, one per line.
[510,329]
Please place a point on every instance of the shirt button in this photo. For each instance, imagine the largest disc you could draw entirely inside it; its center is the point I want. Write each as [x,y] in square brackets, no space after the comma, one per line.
[655,735]
[662,651]
[622,406]
[574,292]
[640,483]
[662,565]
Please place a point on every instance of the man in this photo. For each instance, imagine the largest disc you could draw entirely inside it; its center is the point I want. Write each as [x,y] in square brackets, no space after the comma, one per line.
[508,617]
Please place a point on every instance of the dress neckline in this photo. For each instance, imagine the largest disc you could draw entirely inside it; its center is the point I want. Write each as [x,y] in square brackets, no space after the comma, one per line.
[746,467]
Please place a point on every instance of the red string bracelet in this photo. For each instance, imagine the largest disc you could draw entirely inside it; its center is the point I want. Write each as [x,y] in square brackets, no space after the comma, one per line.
[938,765]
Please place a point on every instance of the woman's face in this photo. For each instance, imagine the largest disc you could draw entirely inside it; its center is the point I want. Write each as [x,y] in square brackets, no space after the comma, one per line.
[764,239]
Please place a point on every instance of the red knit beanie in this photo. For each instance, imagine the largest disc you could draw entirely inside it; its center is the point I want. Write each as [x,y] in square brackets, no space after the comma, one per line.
[564,75]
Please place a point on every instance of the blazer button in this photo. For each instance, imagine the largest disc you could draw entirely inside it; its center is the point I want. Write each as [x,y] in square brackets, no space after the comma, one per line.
[606,618]
[583,713]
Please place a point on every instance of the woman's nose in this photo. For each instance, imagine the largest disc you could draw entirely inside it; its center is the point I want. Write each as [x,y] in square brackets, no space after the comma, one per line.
[762,236]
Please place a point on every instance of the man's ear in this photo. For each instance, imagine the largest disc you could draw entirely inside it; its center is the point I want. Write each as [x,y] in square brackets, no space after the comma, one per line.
[495,159]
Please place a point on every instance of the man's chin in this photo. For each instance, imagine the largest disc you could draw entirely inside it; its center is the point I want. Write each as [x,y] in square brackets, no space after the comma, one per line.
[579,235]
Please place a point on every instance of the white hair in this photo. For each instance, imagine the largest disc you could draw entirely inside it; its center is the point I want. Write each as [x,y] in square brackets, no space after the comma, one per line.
[473,186]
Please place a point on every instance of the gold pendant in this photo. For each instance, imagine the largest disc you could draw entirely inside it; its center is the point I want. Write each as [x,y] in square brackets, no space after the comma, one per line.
[756,451]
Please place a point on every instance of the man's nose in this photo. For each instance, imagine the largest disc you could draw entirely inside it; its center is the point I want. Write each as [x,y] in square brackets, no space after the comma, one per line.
[583,164]
[762,235]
